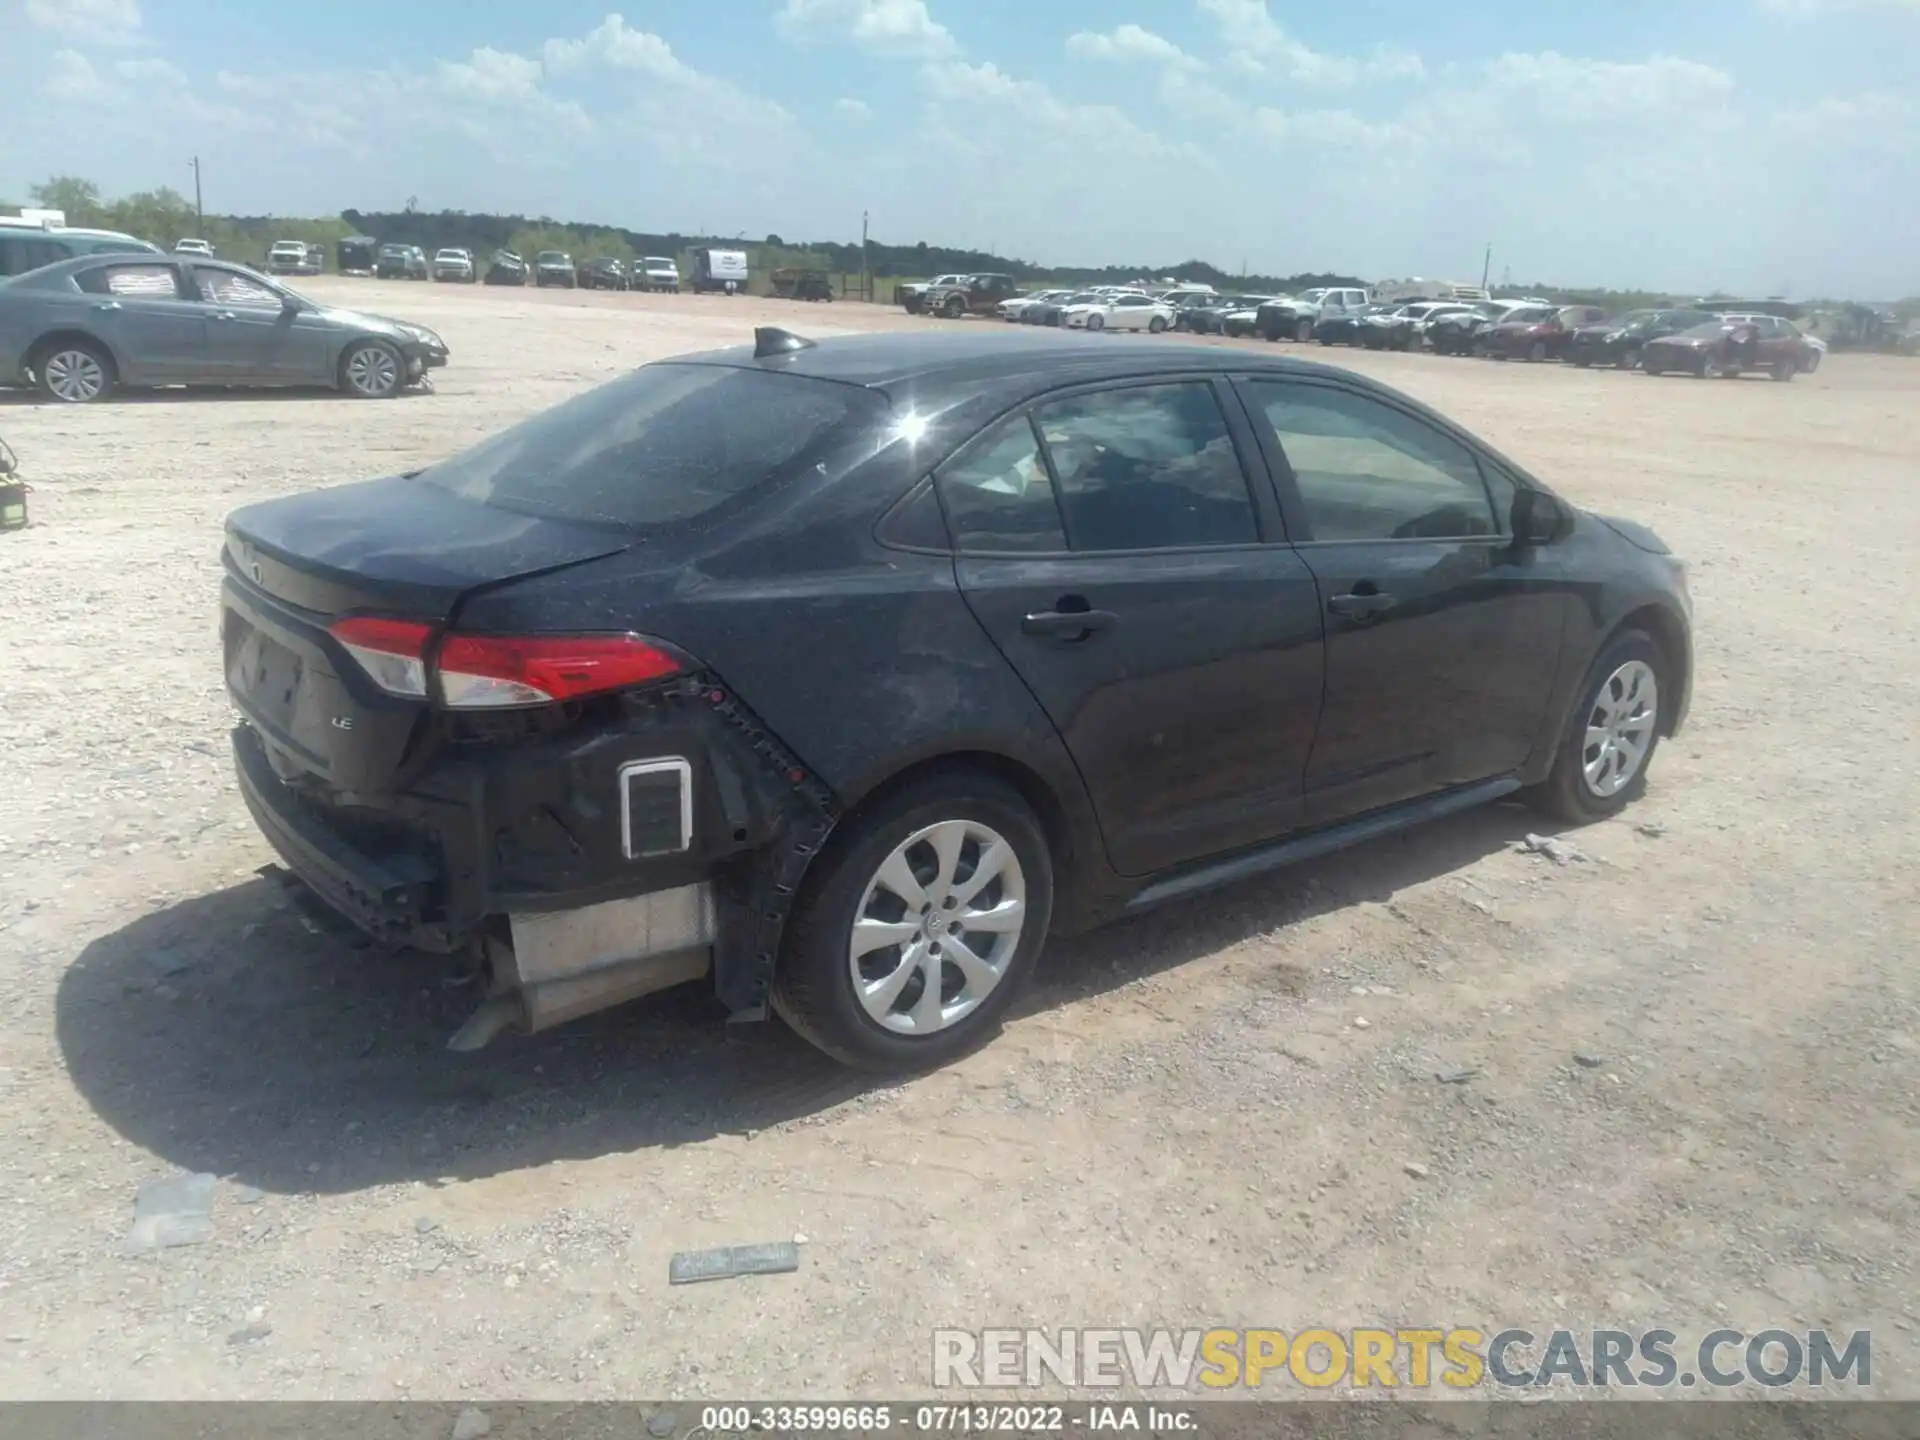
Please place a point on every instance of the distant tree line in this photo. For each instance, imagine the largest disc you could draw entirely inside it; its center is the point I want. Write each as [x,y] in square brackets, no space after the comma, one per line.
[164,216]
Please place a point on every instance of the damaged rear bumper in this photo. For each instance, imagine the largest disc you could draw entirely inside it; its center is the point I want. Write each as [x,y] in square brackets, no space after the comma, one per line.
[660,843]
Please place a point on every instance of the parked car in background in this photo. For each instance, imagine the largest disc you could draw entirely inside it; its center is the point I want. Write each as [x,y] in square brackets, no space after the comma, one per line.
[1618,342]
[657,273]
[1405,326]
[428,669]
[507,268]
[356,255]
[1815,349]
[81,329]
[401,262]
[1727,346]
[26,245]
[192,246]
[724,271]
[1010,310]
[554,267]
[1054,312]
[1293,317]
[604,272]
[1220,314]
[976,295]
[1343,327]
[790,283]
[1536,332]
[453,264]
[1131,311]
[912,297]
[1457,331]
[290,257]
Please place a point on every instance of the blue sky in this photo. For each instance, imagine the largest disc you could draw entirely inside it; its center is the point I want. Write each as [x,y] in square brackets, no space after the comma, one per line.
[1765,146]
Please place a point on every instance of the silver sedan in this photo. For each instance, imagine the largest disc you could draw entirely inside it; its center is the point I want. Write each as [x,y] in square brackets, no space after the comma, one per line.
[81,328]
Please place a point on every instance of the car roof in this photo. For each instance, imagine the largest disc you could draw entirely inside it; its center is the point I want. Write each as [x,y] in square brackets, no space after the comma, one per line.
[968,358]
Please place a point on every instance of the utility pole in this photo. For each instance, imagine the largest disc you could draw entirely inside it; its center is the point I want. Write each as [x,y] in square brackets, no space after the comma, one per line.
[866,270]
[1486,266]
[199,218]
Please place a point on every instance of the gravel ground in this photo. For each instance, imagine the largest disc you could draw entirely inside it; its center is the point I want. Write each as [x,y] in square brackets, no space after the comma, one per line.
[1186,1123]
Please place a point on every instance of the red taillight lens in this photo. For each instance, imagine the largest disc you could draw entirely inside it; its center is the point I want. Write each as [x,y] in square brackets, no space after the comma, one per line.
[392,652]
[488,672]
[494,672]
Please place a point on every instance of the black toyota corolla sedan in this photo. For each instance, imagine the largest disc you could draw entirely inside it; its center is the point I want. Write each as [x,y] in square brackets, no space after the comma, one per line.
[840,675]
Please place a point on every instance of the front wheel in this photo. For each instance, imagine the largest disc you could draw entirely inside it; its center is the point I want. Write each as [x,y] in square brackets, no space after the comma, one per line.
[923,917]
[372,370]
[1096,322]
[1783,370]
[1611,735]
[1303,332]
[956,307]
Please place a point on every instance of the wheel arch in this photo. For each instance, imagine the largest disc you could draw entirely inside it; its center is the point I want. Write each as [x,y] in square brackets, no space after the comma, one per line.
[1669,633]
[1066,819]
[67,335]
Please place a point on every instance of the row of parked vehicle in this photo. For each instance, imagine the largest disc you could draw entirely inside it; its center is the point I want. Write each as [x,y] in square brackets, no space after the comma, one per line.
[1675,340]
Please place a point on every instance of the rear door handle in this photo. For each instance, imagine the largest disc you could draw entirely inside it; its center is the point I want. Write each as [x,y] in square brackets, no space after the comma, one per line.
[108,305]
[225,315]
[1069,624]
[1361,607]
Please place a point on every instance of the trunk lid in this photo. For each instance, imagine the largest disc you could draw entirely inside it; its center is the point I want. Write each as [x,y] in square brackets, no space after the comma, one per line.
[390,547]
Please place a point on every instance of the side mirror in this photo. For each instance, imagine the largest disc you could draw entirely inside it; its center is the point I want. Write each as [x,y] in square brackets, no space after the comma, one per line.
[1539,518]
[289,305]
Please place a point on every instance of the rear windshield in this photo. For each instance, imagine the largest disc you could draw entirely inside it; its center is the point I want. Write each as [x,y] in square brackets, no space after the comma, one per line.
[666,443]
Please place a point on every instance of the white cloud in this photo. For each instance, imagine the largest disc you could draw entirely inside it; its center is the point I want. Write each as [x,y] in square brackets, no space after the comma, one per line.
[614,43]
[1261,45]
[491,75]
[1875,120]
[1272,126]
[1129,42]
[1569,88]
[71,76]
[902,28]
[1815,9]
[853,109]
[93,22]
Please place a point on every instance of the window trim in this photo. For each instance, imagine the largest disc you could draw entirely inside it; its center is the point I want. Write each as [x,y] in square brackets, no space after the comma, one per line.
[1293,507]
[1270,526]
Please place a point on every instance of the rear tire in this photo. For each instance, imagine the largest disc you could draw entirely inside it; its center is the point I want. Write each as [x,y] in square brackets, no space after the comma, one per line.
[1784,370]
[1537,353]
[1156,326]
[1303,332]
[931,838]
[74,372]
[1630,661]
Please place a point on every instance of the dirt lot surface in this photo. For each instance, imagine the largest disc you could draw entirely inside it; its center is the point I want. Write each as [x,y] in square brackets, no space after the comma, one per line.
[1186,1123]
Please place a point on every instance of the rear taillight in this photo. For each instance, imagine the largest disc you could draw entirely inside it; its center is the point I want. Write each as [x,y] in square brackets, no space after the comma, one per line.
[499,672]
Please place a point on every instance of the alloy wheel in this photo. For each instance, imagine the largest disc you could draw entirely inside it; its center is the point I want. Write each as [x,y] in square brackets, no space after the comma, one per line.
[939,924]
[1620,728]
[373,370]
[75,376]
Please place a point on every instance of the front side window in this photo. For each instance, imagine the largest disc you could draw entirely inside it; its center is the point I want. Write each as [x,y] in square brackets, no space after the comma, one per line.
[1366,471]
[229,287]
[1147,467]
[21,253]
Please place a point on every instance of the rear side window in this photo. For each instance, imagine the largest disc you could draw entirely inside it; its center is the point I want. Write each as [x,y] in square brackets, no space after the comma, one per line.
[1148,467]
[997,493]
[145,282]
[664,444]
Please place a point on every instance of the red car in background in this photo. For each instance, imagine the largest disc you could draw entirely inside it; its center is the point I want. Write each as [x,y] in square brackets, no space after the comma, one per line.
[1537,332]
[1728,347]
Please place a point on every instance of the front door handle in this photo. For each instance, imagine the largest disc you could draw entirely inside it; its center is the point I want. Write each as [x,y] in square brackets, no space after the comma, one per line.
[225,315]
[1361,605]
[108,305]
[1069,624]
